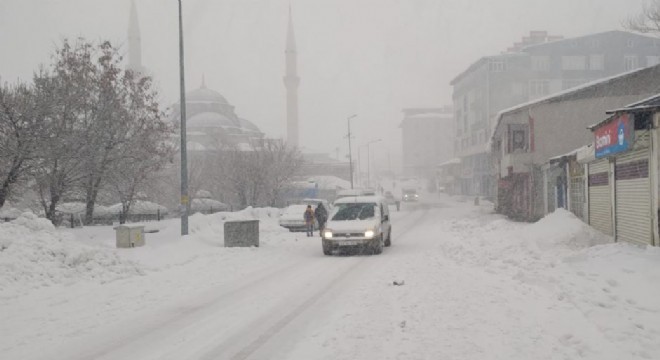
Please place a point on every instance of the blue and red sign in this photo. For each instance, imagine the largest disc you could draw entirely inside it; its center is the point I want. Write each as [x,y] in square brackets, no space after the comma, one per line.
[615,137]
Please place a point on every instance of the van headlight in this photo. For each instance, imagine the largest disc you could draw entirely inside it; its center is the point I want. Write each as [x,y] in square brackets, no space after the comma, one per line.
[369,234]
[327,233]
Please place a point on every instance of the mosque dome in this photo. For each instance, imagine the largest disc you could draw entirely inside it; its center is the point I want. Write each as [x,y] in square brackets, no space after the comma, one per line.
[205,95]
[210,120]
[248,126]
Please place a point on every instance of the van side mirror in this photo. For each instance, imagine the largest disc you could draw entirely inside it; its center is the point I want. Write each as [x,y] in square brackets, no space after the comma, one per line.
[386,218]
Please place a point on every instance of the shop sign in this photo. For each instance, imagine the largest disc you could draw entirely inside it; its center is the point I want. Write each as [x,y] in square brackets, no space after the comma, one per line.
[614,137]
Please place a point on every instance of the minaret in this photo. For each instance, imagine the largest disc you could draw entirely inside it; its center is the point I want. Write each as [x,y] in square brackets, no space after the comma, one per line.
[134,41]
[291,82]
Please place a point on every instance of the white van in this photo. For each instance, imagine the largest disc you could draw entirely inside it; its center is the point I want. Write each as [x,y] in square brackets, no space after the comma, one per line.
[358,222]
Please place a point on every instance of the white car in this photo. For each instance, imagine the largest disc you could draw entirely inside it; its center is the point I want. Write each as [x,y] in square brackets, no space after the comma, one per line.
[316,202]
[293,218]
[358,222]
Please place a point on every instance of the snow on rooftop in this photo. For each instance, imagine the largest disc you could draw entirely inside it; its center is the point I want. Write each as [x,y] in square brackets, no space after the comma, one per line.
[569,91]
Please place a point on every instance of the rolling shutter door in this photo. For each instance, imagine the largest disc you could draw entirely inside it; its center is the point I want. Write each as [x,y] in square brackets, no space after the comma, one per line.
[577,193]
[633,197]
[600,196]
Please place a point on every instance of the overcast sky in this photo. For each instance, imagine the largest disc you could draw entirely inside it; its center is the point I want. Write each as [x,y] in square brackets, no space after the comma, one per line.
[370,57]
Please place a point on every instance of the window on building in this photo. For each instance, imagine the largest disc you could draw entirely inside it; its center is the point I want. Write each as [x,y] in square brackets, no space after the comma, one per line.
[630,62]
[596,62]
[573,62]
[517,136]
[631,43]
[497,66]
[594,43]
[571,83]
[540,63]
[652,60]
[539,88]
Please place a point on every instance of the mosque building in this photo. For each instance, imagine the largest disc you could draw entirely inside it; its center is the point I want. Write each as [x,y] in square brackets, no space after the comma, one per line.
[211,121]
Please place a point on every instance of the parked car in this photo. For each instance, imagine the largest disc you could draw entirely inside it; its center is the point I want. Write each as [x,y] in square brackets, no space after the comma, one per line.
[409,194]
[391,200]
[293,218]
[358,222]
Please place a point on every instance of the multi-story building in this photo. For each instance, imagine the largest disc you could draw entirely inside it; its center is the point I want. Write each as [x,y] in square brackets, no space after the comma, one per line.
[426,140]
[538,66]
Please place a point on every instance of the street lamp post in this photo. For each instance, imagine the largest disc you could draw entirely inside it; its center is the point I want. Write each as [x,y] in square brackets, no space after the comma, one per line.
[350,155]
[185,199]
[368,160]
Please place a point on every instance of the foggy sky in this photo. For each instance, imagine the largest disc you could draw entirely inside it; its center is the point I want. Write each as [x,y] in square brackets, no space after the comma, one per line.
[370,57]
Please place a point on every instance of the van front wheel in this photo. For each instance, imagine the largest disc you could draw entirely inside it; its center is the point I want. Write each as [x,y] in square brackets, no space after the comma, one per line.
[327,247]
[378,246]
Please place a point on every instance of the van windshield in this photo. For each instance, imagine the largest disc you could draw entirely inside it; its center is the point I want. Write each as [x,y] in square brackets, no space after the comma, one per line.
[354,211]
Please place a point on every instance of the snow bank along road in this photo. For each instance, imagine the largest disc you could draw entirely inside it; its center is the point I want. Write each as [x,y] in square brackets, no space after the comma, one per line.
[475,286]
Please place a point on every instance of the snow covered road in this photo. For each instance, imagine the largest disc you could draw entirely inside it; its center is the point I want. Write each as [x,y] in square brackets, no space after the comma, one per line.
[474,286]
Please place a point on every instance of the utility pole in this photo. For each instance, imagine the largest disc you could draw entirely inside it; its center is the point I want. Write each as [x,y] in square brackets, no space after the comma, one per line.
[185,199]
[350,155]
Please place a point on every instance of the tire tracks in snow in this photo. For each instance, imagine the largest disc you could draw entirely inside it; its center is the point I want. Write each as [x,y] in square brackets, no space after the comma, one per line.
[278,326]
[127,338]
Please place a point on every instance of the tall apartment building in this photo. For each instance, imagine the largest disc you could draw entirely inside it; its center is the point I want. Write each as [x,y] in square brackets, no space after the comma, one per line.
[538,66]
[426,140]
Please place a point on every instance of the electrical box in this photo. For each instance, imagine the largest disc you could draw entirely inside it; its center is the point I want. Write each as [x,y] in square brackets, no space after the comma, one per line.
[129,236]
[243,233]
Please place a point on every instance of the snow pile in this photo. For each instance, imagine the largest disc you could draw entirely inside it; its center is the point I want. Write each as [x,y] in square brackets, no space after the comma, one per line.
[81,208]
[205,204]
[34,254]
[562,228]
[140,207]
[33,222]
[8,212]
[212,226]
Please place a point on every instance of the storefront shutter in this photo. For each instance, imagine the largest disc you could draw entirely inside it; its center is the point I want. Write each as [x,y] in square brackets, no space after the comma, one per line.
[633,197]
[577,191]
[600,196]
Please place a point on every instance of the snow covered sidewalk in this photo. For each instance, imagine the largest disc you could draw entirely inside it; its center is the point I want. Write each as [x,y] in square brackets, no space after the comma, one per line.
[477,286]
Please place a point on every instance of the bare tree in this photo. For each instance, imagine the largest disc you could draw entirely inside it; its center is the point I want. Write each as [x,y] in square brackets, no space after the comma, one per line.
[63,93]
[126,116]
[146,155]
[20,130]
[284,163]
[648,20]
[257,175]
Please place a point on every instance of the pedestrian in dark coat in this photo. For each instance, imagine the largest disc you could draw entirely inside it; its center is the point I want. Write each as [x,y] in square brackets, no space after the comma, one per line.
[321,215]
[309,220]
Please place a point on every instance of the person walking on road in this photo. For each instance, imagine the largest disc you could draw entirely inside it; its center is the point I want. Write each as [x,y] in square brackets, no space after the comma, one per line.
[309,220]
[321,215]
